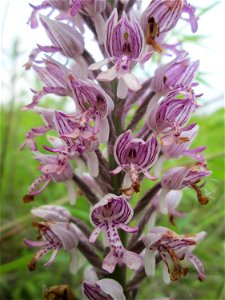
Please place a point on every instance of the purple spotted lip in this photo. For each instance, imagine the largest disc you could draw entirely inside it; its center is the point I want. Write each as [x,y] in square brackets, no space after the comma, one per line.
[110,214]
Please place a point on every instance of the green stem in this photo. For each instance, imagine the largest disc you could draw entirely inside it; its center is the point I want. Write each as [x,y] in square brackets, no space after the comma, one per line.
[120,273]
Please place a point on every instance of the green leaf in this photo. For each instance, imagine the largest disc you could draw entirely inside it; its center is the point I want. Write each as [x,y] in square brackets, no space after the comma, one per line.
[17,264]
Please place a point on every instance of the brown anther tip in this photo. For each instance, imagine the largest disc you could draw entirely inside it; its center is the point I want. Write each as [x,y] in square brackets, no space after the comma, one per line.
[171,219]
[35,224]
[136,186]
[178,272]
[70,76]
[184,271]
[150,41]
[128,192]
[203,200]
[174,276]
[32,265]
[164,79]
[39,225]
[28,198]
[182,140]
[27,66]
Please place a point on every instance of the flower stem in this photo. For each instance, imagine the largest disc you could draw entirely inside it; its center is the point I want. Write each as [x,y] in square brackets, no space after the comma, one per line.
[115,130]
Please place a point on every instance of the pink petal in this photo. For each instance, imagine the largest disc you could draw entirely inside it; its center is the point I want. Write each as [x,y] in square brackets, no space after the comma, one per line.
[132,260]
[131,81]
[66,233]
[71,191]
[52,258]
[51,213]
[30,243]
[152,220]
[100,27]
[149,263]
[73,260]
[122,89]
[108,75]
[93,237]
[111,288]
[166,276]
[104,131]
[109,263]
[127,182]
[100,64]
[49,169]
[92,162]
[198,266]
[116,171]
[145,57]
[33,191]
[55,141]
[127,228]
[162,202]
[149,176]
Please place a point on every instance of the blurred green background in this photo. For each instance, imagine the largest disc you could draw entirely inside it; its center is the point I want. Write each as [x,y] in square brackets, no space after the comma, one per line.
[18,170]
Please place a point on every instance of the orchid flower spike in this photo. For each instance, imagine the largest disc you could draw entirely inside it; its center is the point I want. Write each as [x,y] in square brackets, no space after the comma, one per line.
[161,16]
[108,215]
[135,156]
[181,177]
[124,42]
[172,249]
[55,236]
[104,289]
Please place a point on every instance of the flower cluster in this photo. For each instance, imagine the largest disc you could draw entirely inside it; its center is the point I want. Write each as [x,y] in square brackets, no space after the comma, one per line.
[99,148]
